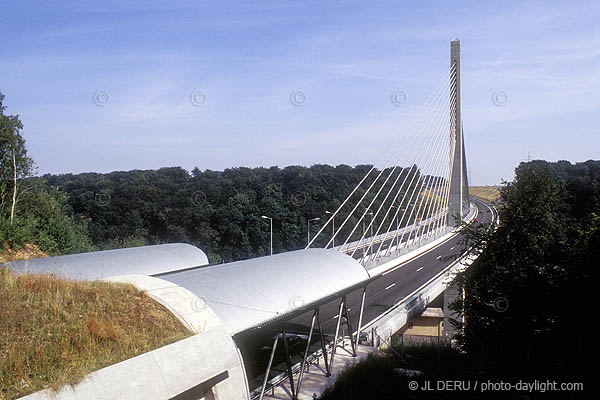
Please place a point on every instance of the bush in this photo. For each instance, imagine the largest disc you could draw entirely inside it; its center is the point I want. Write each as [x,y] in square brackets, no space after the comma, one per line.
[43,219]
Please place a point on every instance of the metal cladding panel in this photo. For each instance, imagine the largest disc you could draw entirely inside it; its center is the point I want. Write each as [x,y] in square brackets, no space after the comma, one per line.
[248,293]
[144,260]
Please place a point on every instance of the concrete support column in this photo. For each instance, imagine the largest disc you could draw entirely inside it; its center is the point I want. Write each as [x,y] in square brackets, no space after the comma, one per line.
[459,189]
[451,294]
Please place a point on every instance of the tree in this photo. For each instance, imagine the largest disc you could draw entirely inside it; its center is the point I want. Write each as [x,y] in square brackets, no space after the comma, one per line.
[44,218]
[524,293]
[15,165]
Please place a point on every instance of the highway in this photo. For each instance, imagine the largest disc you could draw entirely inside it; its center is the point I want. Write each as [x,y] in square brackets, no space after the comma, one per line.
[381,294]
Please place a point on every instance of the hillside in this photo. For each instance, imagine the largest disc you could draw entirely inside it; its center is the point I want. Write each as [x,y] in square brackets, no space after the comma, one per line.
[28,251]
[487,193]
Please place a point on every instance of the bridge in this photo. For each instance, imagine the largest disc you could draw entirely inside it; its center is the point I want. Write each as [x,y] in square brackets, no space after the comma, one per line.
[389,249]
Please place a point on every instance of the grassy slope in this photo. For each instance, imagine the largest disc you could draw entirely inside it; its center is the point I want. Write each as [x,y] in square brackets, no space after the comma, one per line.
[25,253]
[487,193]
[54,331]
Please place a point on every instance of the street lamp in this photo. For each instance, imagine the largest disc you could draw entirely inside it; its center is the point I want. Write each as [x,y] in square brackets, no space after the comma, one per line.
[372,238]
[308,233]
[271,221]
[332,227]
[397,228]
[363,231]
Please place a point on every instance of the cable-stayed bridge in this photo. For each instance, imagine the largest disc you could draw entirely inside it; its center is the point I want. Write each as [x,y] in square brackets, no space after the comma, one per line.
[379,259]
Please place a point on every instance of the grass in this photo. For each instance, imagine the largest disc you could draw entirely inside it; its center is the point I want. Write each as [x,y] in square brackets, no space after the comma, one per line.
[55,331]
[27,252]
[487,193]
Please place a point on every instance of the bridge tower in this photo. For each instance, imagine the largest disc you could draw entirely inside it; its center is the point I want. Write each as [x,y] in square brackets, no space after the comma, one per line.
[459,185]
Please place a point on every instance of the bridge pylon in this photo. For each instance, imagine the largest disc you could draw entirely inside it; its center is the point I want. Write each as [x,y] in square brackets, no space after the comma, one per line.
[459,185]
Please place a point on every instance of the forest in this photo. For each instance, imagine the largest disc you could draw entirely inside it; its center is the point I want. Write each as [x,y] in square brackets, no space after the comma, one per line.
[218,211]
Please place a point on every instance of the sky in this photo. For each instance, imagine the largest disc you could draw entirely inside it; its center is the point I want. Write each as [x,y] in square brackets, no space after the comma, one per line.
[120,85]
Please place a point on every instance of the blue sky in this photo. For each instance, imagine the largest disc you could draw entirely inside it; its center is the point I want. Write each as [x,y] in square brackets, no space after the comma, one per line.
[143,60]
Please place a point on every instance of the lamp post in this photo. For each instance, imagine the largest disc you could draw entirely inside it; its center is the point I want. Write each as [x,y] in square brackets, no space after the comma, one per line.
[363,231]
[271,221]
[397,236]
[332,227]
[308,229]
[371,244]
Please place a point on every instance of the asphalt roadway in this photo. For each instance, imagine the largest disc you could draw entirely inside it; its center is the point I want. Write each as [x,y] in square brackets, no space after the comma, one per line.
[381,294]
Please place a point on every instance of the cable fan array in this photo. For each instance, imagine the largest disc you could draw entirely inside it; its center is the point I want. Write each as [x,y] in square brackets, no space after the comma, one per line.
[404,196]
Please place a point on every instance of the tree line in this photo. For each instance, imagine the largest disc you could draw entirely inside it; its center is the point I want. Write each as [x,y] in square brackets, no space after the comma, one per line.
[218,211]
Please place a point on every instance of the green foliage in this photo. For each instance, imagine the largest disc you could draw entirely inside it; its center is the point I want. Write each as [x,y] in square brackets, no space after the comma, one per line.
[384,376]
[372,378]
[531,283]
[45,221]
[31,212]
[15,165]
[218,211]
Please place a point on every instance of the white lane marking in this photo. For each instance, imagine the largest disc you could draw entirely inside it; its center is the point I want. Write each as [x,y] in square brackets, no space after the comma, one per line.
[419,269]
[452,248]
[393,284]
[438,257]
